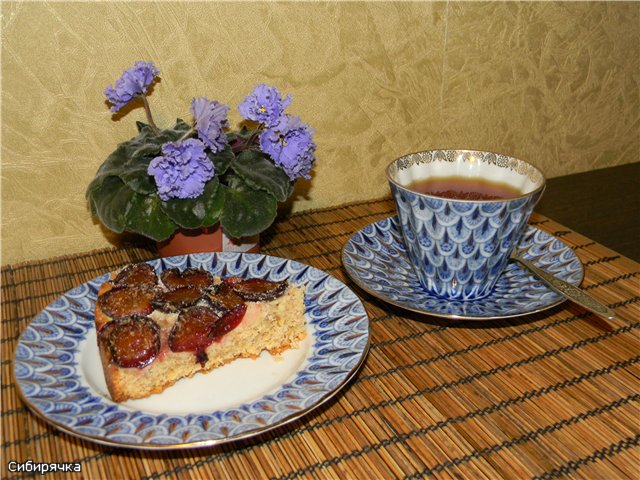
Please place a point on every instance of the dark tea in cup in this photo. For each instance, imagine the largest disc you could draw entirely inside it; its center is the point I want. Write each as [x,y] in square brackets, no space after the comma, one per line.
[461,188]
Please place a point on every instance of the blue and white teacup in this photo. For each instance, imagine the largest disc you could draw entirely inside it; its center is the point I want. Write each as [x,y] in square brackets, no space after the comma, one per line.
[459,247]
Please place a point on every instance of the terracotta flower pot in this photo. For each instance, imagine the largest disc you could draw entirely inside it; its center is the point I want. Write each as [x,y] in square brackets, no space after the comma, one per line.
[206,239]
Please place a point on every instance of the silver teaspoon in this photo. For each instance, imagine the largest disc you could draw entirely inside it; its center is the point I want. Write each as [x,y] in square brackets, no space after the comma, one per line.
[569,291]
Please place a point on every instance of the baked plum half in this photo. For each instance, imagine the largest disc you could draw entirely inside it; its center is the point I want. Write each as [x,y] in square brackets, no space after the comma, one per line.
[190,277]
[131,342]
[198,327]
[137,274]
[177,299]
[222,298]
[126,301]
[258,289]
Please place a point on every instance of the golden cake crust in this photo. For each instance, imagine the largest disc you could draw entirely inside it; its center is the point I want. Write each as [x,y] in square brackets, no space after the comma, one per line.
[273,326]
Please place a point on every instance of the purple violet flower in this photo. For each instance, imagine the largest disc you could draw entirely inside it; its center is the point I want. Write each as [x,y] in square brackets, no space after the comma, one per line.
[182,170]
[264,105]
[291,147]
[133,82]
[210,122]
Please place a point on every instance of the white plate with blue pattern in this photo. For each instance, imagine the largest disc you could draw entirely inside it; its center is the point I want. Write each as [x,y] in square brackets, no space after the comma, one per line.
[59,375]
[376,259]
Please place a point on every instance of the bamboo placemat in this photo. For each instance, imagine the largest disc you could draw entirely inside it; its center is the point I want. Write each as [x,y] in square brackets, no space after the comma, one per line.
[548,395]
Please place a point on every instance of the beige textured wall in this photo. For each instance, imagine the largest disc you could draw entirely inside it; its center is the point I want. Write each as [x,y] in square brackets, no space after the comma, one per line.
[554,83]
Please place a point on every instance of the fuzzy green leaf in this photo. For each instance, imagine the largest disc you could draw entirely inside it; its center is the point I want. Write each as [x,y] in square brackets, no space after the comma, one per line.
[123,196]
[222,160]
[236,182]
[136,176]
[247,212]
[202,211]
[110,201]
[131,159]
[146,217]
[260,172]
[119,208]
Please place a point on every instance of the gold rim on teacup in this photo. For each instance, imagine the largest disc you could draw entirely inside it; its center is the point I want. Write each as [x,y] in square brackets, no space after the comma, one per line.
[519,167]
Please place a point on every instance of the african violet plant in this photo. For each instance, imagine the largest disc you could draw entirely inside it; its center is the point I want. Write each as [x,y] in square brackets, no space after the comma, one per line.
[195,174]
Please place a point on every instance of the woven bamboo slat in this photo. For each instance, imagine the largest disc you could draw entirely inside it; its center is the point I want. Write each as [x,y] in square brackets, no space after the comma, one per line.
[548,395]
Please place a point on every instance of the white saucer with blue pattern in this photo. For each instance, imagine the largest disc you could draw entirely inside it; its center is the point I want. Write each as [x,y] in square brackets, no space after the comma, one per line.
[59,376]
[376,259]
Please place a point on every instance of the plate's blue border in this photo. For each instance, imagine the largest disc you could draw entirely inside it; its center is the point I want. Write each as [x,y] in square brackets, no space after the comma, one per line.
[375,258]
[46,368]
